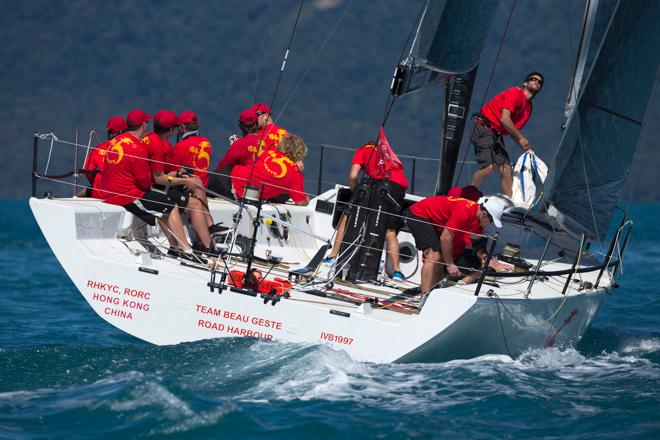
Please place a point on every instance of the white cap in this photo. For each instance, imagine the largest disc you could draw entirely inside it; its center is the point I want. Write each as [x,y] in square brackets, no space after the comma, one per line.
[495,208]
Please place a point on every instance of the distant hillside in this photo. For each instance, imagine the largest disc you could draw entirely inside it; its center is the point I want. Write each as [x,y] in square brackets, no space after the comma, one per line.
[69,65]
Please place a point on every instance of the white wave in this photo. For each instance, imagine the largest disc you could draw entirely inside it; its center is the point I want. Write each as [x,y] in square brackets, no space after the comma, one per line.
[84,394]
[642,346]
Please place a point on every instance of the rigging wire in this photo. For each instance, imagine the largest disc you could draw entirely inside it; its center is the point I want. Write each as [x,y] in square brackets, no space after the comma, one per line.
[316,56]
[391,98]
[261,53]
[286,54]
[490,78]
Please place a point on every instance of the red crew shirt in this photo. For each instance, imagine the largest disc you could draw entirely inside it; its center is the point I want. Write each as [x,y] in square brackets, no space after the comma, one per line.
[363,156]
[193,151]
[455,213]
[270,136]
[241,152]
[513,100]
[156,150]
[126,172]
[95,161]
[276,171]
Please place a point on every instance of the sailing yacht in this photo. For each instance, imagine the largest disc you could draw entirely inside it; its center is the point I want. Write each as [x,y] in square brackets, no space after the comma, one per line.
[559,281]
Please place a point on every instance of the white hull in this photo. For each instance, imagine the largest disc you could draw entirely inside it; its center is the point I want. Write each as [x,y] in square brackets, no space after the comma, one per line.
[176,305]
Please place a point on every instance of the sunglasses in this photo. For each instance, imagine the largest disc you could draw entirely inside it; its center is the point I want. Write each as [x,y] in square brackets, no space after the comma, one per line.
[538,80]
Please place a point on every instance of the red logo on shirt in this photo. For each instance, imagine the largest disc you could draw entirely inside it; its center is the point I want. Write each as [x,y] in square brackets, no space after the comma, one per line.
[116,150]
[277,166]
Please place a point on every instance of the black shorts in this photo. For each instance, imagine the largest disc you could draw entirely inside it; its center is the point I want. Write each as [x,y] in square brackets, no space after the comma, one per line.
[393,218]
[152,205]
[221,183]
[425,234]
[488,146]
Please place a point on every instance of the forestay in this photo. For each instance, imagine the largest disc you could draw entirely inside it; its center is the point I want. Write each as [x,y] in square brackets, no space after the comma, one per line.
[598,145]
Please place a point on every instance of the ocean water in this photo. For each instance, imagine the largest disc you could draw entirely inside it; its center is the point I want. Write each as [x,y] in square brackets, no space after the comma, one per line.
[65,373]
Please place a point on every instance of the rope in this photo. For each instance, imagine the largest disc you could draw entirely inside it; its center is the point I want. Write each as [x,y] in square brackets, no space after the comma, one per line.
[524,324]
[52,138]
[499,316]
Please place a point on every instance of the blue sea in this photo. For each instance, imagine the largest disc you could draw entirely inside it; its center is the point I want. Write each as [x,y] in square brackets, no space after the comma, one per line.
[65,373]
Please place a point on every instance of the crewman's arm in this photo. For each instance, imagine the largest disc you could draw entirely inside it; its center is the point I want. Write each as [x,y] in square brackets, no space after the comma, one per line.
[447,250]
[353,175]
[517,136]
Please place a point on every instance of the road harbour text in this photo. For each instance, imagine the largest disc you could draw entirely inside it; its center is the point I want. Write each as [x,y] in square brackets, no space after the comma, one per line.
[230,323]
[119,301]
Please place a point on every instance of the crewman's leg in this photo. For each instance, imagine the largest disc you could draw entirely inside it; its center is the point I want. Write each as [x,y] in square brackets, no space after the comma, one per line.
[393,248]
[481,175]
[341,231]
[175,225]
[506,181]
[198,220]
[431,269]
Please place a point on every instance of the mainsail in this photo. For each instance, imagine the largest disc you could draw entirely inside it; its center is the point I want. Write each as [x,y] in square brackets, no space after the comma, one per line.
[598,145]
[449,40]
[448,43]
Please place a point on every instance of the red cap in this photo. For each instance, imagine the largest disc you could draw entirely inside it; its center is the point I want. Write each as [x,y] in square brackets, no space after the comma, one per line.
[116,124]
[260,107]
[188,117]
[166,119]
[137,117]
[248,116]
[471,192]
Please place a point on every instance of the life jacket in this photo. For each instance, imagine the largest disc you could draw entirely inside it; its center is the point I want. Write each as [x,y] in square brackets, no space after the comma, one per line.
[237,279]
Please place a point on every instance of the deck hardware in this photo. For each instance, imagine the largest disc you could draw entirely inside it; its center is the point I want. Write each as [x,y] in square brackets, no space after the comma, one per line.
[148,270]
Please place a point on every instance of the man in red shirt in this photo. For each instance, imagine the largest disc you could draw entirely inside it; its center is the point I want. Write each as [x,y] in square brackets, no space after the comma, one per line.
[365,159]
[269,133]
[279,172]
[157,146]
[127,182]
[94,163]
[192,152]
[442,225]
[506,114]
[242,152]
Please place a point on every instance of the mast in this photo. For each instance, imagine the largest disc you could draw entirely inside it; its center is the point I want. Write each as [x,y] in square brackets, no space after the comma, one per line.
[456,110]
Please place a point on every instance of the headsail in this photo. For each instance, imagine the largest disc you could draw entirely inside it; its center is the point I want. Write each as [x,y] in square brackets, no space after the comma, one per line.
[449,40]
[598,145]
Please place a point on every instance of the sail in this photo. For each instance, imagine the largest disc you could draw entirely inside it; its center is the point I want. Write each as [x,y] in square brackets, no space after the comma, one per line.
[595,154]
[449,40]
[597,18]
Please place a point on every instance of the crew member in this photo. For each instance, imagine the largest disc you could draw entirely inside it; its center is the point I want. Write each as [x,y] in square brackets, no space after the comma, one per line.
[94,163]
[442,225]
[192,154]
[158,145]
[505,115]
[279,172]
[127,182]
[243,151]
[269,133]
[365,159]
